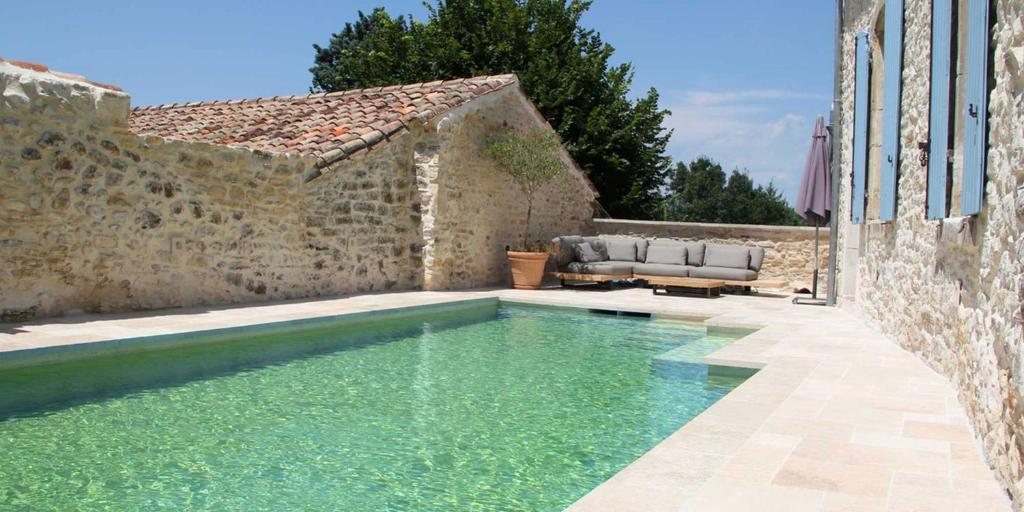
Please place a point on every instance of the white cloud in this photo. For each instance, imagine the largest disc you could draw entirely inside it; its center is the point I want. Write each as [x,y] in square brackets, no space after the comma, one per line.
[762,130]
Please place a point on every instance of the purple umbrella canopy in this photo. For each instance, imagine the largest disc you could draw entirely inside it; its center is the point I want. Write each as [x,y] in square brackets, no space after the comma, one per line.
[814,202]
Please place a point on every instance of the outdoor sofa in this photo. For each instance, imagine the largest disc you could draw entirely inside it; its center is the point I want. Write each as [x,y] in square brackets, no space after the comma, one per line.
[624,257]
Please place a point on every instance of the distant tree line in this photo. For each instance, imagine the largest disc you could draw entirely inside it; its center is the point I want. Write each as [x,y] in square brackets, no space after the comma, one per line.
[700,192]
[563,67]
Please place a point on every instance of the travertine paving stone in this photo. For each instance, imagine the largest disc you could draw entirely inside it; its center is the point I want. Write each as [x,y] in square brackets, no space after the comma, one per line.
[957,302]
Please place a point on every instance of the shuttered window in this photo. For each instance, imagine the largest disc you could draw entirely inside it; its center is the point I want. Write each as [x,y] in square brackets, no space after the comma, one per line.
[976,107]
[860,128]
[893,52]
[941,99]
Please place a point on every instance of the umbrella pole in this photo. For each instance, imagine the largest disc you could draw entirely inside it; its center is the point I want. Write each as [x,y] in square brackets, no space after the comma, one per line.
[814,286]
[813,300]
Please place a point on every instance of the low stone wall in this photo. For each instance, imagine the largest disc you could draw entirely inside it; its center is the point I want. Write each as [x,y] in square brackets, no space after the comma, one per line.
[788,250]
[953,297]
[94,218]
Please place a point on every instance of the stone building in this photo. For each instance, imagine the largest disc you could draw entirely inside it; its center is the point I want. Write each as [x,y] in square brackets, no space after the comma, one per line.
[107,208]
[930,201]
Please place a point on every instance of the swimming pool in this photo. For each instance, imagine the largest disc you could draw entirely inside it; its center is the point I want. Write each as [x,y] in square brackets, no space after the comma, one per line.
[476,406]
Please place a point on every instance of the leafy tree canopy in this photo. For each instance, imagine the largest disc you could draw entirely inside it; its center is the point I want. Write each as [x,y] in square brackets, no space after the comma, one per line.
[533,160]
[564,68]
[700,192]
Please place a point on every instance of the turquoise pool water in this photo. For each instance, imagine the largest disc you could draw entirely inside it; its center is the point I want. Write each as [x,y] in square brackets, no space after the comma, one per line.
[481,407]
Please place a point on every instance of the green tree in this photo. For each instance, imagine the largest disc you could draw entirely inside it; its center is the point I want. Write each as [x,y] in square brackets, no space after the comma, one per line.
[533,160]
[373,50]
[697,192]
[563,67]
[739,198]
[700,192]
[772,208]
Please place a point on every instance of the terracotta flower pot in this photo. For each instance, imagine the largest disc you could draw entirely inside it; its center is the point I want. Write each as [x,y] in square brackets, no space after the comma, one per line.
[527,269]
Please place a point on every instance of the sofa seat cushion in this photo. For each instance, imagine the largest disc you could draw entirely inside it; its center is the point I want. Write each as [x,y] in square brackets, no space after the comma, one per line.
[729,256]
[733,274]
[610,268]
[662,269]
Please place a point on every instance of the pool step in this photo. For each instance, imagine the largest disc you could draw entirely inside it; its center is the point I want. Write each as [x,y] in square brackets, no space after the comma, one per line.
[615,312]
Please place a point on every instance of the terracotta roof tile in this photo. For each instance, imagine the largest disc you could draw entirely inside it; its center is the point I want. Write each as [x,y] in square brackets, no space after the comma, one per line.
[329,126]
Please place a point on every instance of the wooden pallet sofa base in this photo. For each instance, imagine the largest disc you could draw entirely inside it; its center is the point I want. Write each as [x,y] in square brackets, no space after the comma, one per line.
[572,279]
[758,283]
[709,287]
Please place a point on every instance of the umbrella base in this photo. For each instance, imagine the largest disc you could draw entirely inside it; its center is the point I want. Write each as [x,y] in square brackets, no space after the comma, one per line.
[810,301]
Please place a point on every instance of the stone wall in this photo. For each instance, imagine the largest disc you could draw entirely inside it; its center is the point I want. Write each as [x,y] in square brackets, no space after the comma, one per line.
[95,218]
[788,250]
[954,300]
[473,211]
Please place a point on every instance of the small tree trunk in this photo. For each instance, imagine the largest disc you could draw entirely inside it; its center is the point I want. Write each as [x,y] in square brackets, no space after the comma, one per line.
[526,234]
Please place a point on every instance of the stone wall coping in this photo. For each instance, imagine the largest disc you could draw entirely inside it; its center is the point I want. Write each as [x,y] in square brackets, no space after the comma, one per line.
[710,226]
[43,72]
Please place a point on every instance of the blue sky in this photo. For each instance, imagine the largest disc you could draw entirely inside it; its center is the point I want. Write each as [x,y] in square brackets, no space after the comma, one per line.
[743,78]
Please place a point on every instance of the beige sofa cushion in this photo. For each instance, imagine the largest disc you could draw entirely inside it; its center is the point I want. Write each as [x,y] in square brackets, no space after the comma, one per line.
[727,256]
[670,254]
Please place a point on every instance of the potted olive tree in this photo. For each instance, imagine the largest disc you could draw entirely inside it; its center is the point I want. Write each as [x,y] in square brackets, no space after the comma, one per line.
[532,160]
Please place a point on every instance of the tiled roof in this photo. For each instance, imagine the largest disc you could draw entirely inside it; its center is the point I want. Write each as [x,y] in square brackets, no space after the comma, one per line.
[331,126]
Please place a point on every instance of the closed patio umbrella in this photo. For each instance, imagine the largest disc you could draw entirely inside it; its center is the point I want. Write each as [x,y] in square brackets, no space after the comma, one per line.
[814,202]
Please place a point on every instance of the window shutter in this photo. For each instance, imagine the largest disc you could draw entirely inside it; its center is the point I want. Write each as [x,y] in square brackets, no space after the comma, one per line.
[976,105]
[938,145]
[891,113]
[861,121]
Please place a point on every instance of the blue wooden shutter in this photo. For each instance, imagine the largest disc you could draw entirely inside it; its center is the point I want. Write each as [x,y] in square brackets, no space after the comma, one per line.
[861,120]
[891,109]
[976,107]
[938,163]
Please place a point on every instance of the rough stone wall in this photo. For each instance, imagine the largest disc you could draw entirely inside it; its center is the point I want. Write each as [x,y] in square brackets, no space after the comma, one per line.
[96,218]
[788,250]
[472,211]
[362,222]
[956,303]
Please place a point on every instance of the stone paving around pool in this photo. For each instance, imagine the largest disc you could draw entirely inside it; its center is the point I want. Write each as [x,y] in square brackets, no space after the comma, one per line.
[838,417]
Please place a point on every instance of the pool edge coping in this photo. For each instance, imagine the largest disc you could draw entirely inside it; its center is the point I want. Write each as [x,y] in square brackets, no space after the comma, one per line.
[52,354]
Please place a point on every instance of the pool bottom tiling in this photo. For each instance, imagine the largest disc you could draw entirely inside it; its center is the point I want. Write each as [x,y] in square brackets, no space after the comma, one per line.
[475,407]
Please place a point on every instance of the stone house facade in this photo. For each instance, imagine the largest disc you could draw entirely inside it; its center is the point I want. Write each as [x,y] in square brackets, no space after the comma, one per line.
[931,201]
[106,208]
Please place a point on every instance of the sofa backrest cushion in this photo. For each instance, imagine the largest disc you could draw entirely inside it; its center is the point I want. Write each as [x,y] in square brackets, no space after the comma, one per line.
[694,250]
[727,256]
[585,253]
[563,251]
[621,249]
[641,249]
[598,244]
[671,254]
[756,258]
[695,253]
